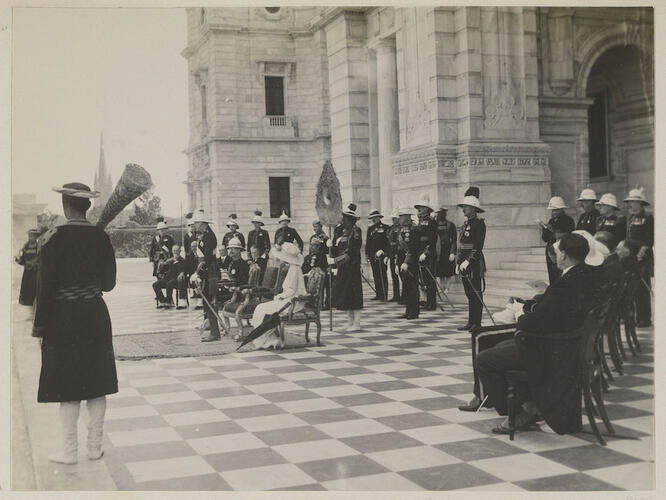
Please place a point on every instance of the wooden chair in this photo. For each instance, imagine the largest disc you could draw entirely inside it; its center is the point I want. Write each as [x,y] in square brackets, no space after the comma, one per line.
[589,369]
[627,309]
[312,303]
[231,307]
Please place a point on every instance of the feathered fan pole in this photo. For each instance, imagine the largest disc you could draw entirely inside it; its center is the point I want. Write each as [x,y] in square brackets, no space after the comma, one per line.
[329,209]
[132,184]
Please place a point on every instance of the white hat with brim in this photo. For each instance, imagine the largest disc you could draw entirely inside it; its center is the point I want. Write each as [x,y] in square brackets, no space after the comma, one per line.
[288,253]
[595,256]
[404,211]
[76,192]
[257,219]
[350,211]
[284,217]
[637,194]
[471,201]
[395,214]
[608,199]
[200,216]
[556,202]
[423,203]
[162,225]
[375,213]
[235,243]
[232,222]
[587,194]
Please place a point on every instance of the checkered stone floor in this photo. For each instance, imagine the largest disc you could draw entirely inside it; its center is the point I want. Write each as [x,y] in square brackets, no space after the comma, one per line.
[374,410]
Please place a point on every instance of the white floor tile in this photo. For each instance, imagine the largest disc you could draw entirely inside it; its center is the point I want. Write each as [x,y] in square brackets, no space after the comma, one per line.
[170,468]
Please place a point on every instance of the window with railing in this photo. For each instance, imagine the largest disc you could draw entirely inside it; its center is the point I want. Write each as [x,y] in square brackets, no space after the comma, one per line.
[274,96]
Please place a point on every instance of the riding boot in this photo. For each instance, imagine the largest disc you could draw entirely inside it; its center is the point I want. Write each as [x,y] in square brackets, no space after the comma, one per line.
[96,411]
[69,416]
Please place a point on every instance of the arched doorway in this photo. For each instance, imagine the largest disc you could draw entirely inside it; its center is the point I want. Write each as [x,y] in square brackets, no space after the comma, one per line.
[620,122]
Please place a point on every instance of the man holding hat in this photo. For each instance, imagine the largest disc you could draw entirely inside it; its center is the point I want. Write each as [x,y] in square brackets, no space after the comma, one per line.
[258,237]
[609,220]
[346,257]
[558,225]
[232,224]
[208,271]
[285,233]
[588,219]
[160,245]
[76,263]
[27,258]
[409,245]
[427,252]
[392,235]
[640,227]
[446,248]
[470,262]
[376,252]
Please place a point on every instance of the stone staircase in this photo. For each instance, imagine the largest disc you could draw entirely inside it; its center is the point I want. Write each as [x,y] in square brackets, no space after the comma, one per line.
[510,278]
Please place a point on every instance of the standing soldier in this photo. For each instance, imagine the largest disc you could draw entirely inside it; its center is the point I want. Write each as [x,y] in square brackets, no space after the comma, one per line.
[76,263]
[208,271]
[259,237]
[427,252]
[376,249]
[346,257]
[160,245]
[285,233]
[189,236]
[408,265]
[470,261]
[558,225]
[27,258]
[393,234]
[609,220]
[588,219]
[446,249]
[232,224]
[640,228]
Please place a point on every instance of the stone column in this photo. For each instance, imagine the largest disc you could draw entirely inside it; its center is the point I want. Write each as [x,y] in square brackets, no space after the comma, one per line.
[387,119]
[373,141]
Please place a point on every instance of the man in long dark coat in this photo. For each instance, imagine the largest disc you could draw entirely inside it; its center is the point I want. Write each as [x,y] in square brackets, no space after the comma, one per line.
[208,272]
[408,264]
[27,258]
[259,237]
[376,248]
[76,263]
[393,234]
[428,252]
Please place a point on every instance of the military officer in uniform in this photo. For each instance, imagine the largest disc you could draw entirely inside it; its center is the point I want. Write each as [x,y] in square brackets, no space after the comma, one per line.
[160,246]
[259,237]
[376,252]
[232,224]
[189,236]
[323,251]
[588,219]
[208,272]
[640,227]
[558,225]
[318,232]
[610,219]
[447,242]
[408,263]
[286,233]
[470,262]
[427,252]
[393,233]
[27,258]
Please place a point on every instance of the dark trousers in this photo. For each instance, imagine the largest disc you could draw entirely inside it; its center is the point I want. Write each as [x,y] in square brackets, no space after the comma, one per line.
[379,277]
[492,365]
[410,292]
[428,279]
[553,271]
[395,279]
[486,339]
[209,290]
[170,285]
[643,307]
[472,285]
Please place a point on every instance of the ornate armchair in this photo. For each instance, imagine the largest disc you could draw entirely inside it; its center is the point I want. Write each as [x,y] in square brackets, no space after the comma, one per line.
[311,311]
[231,307]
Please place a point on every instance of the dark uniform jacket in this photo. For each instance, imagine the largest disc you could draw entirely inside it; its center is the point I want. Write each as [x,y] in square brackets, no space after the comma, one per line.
[393,234]
[428,237]
[614,224]
[171,268]
[76,263]
[323,237]
[239,272]
[209,272]
[640,227]
[188,238]
[553,365]
[191,263]
[223,263]
[588,221]
[448,238]
[289,234]
[27,258]
[160,244]
[409,245]
[314,260]
[346,250]
[233,234]
[562,224]
[376,239]
[260,239]
[472,238]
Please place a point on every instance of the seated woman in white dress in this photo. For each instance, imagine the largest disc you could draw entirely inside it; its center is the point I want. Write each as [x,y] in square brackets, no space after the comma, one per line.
[293,286]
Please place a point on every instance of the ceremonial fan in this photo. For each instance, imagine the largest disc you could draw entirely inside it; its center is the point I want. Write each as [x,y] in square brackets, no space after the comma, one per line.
[133,183]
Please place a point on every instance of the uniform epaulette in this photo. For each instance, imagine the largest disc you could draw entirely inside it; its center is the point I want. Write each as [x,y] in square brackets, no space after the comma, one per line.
[44,238]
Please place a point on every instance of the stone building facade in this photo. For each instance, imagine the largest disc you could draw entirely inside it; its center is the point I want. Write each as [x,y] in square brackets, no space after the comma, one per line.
[421,102]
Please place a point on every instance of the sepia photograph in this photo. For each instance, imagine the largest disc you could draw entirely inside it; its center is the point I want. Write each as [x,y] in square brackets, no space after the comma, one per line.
[324,248]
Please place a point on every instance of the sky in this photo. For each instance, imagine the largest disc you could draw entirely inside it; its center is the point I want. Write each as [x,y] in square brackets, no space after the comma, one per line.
[78,72]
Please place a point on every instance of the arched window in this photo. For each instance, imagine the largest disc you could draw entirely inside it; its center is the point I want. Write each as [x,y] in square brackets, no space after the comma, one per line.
[272,10]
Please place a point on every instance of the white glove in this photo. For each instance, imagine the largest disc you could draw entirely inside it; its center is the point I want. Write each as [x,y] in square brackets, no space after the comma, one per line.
[422,257]
[386,259]
[330,260]
[397,270]
[403,266]
[457,269]
[464,265]
[329,243]
[452,258]
[379,253]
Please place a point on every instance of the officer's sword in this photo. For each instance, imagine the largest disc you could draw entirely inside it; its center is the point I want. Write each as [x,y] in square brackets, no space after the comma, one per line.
[381,278]
[478,296]
[219,320]
[421,286]
[438,288]
[368,282]
[647,286]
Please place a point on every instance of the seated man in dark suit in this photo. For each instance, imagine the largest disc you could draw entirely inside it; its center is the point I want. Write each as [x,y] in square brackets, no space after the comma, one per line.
[167,277]
[563,308]
[257,258]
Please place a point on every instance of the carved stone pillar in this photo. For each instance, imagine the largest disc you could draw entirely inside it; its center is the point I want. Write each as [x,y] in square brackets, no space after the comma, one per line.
[373,140]
[387,119]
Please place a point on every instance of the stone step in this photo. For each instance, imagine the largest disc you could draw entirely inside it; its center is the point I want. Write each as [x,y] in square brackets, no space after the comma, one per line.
[524,266]
[528,257]
[524,275]
[538,250]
